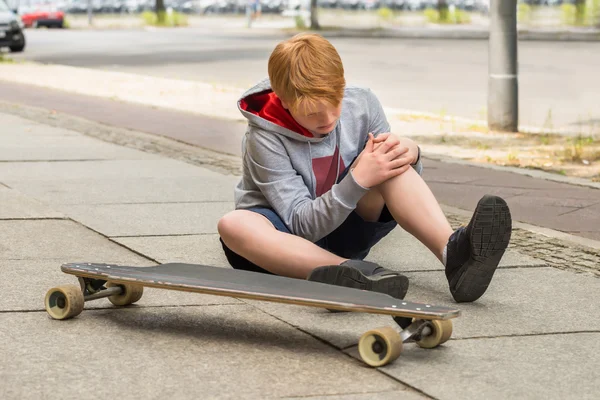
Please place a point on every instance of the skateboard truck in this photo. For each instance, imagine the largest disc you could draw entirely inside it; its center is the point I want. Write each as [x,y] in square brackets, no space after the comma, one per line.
[63,302]
[381,346]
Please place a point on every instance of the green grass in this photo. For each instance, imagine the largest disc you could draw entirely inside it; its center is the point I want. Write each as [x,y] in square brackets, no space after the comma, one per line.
[582,14]
[385,13]
[6,60]
[581,148]
[447,16]
[164,19]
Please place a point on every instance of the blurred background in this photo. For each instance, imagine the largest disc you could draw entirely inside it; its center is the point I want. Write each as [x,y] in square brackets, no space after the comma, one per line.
[347,12]
[428,61]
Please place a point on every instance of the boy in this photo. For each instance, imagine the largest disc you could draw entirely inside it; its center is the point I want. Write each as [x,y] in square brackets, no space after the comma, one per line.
[324,180]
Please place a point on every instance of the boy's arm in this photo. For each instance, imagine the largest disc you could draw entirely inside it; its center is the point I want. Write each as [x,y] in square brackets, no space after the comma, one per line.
[378,124]
[288,194]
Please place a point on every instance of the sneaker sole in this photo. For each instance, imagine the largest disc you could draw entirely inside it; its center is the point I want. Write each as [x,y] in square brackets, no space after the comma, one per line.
[340,275]
[490,235]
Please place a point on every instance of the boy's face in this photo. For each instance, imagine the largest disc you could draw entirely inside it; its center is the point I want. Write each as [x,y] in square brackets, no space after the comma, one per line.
[320,120]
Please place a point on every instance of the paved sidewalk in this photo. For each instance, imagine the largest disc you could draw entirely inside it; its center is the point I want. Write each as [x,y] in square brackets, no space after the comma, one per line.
[70,197]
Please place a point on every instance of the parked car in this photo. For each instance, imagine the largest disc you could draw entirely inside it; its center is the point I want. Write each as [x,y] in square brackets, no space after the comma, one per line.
[42,15]
[11,29]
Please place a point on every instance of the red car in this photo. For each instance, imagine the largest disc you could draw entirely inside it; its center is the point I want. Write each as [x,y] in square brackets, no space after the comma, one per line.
[42,15]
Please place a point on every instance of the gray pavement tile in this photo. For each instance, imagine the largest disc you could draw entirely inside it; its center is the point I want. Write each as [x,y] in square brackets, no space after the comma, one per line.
[436,171]
[574,192]
[534,201]
[107,169]
[65,148]
[24,283]
[519,302]
[192,249]
[150,219]
[16,205]
[398,394]
[13,126]
[573,221]
[530,367]
[339,329]
[64,241]
[120,191]
[466,196]
[402,252]
[565,219]
[201,352]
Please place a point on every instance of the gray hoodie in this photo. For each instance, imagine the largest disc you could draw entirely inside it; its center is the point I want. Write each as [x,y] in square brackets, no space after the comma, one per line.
[295,175]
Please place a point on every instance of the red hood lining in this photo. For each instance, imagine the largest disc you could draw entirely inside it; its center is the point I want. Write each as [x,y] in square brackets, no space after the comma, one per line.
[268,106]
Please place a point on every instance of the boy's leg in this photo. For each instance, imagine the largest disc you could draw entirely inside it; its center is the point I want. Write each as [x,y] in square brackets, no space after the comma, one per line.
[470,254]
[263,240]
[253,236]
[416,210]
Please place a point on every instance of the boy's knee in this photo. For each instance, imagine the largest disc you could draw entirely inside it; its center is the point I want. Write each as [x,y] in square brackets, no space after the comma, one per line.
[227,224]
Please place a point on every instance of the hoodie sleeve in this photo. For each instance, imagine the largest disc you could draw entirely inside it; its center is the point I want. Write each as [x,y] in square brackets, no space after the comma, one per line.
[271,170]
[378,123]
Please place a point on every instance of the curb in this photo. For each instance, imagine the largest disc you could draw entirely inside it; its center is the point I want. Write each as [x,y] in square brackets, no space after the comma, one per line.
[447,34]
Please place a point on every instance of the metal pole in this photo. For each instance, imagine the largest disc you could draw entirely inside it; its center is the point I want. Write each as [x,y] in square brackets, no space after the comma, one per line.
[503,88]
[89,12]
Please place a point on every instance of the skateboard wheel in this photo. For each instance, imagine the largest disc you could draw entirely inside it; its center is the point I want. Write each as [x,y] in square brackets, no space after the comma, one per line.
[64,302]
[131,294]
[380,346]
[441,330]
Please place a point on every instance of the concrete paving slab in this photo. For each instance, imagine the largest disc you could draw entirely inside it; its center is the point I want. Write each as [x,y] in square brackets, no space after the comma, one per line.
[408,394]
[341,330]
[527,367]
[574,192]
[24,283]
[108,169]
[436,171]
[120,191]
[467,196]
[233,352]
[150,219]
[59,240]
[564,219]
[519,302]
[591,215]
[533,200]
[402,252]
[52,148]
[16,126]
[192,249]
[16,205]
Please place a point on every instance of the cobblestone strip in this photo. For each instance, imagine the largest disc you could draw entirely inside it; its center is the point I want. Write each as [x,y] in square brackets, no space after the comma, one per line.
[554,252]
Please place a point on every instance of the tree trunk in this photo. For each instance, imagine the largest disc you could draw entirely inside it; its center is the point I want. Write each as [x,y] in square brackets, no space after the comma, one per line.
[579,12]
[160,12]
[442,6]
[314,20]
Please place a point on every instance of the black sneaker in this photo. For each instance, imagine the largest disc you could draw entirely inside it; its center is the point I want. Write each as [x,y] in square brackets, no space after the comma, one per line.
[362,275]
[474,251]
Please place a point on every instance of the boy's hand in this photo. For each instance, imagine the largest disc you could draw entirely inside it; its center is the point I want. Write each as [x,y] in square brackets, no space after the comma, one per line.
[413,149]
[378,164]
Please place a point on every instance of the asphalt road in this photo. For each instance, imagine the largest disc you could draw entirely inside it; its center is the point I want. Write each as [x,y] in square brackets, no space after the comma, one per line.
[559,81]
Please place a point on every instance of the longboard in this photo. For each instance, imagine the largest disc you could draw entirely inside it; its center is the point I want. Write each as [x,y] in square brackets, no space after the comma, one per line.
[428,325]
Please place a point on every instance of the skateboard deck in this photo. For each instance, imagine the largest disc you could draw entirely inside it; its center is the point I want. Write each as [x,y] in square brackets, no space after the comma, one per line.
[426,324]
